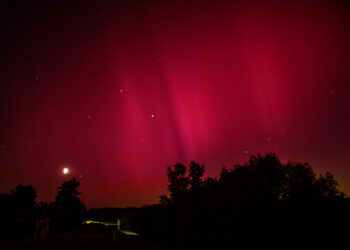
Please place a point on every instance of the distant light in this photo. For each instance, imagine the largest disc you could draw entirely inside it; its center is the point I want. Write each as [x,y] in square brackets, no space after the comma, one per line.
[152,116]
[121,91]
[65,170]
[127,232]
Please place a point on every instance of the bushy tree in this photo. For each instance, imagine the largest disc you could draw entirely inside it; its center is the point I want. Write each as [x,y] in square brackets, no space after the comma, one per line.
[24,198]
[178,181]
[195,174]
[328,187]
[17,213]
[182,179]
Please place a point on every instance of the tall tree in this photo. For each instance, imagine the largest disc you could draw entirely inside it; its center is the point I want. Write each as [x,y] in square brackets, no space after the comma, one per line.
[69,210]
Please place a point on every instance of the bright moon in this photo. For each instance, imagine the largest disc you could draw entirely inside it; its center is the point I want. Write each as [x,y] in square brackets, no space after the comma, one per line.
[65,171]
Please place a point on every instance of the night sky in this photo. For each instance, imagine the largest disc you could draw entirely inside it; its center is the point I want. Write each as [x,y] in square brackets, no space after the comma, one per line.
[116,92]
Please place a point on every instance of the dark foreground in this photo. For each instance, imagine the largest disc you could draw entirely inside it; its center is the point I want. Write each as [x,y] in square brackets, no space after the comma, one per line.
[87,237]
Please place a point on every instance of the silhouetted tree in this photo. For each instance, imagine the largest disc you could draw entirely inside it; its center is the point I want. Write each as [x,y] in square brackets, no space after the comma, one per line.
[164,200]
[17,213]
[68,193]
[195,174]
[178,181]
[68,209]
[328,187]
[23,205]
[300,183]
[24,196]
[261,204]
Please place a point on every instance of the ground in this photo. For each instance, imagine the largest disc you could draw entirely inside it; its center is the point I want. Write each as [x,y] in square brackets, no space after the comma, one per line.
[87,237]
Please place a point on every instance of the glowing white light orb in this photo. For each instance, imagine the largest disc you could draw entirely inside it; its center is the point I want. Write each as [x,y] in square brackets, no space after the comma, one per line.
[65,170]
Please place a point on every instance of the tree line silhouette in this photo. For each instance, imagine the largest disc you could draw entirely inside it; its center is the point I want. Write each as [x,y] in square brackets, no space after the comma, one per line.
[20,213]
[261,204]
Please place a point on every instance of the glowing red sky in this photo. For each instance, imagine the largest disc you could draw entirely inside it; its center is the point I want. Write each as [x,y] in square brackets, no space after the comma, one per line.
[118,92]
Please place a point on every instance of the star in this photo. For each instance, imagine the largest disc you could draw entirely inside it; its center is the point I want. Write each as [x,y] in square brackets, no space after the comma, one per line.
[152,115]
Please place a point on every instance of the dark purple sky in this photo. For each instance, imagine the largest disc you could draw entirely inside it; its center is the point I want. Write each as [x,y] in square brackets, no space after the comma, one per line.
[119,91]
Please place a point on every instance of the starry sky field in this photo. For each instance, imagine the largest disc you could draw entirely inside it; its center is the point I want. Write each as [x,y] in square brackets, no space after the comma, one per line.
[117,91]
